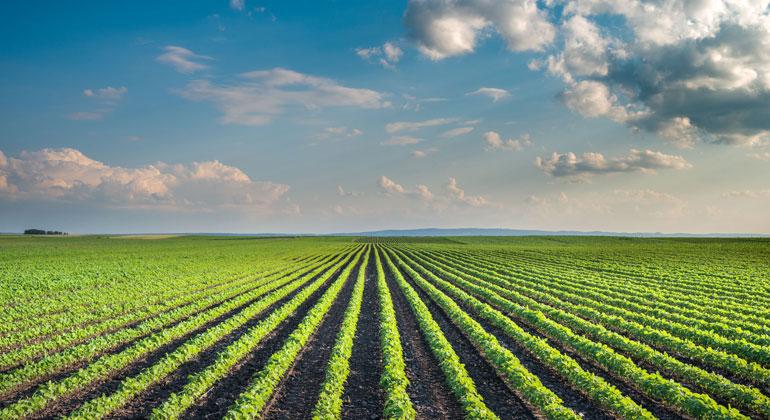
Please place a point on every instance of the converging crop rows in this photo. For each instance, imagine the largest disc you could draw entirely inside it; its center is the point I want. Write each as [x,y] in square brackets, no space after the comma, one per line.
[372,328]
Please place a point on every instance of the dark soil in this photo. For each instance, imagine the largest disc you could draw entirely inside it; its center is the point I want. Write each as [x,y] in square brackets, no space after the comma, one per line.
[497,395]
[428,391]
[363,397]
[297,394]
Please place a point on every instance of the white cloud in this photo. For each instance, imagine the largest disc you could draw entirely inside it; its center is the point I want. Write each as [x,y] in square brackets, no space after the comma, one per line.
[181,59]
[387,55]
[106,93]
[392,52]
[414,126]
[422,153]
[267,93]
[67,174]
[495,142]
[238,4]
[389,187]
[400,141]
[458,195]
[444,28]
[593,99]
[459,131]
[342,193]
[339,132]
[569,165]
[495,93]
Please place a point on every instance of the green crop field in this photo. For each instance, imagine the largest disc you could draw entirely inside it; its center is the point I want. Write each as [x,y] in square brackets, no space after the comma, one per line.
[557,327]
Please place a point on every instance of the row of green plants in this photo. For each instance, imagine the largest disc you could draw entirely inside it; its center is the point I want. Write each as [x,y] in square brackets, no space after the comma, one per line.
[393,381]
[253,400]
[111,363]
[602,393]
[130,387]
[455,374]
[120,307]
[708,297]
[93,348]
[691,305]
[329,404]
[715,384]
[734,364]
[699,406]
[112,327]
[705,333]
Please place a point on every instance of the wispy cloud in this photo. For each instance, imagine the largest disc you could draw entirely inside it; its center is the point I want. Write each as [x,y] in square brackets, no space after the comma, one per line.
[182,59]
[266,93]
[416,125]
[422,153]
[400,141]
[106,93]
[459,131]
[494,93]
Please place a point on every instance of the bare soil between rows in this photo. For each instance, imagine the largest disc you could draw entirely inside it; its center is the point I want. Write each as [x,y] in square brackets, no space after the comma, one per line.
[363,398]
[428,391]
[298,393]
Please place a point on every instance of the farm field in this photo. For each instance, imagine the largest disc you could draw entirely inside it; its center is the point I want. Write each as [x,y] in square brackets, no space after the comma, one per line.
[550,327]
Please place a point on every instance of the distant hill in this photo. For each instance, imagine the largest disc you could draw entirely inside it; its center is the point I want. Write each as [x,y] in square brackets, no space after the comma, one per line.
[518,232]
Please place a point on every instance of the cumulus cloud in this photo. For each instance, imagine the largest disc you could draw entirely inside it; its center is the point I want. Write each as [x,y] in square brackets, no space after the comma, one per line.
[400,141]
[581,168]
[387,55]
[67,174]
[694,70]
[342,193]
[495,93]
[453,195]
[106,93]
[182,59]
[458,195]
[459,131]
[389,187]
[494,141]
[266,93]
[238,4]
[416,125]
[686,71]
[444,28]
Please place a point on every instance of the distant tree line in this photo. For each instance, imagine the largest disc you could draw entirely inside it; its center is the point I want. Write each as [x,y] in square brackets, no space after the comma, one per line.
[43,232]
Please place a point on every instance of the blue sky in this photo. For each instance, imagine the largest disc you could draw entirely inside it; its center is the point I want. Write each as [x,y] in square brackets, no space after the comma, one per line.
[344,116]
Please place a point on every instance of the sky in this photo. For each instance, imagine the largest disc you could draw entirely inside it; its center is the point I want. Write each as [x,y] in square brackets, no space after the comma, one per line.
[320,116]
